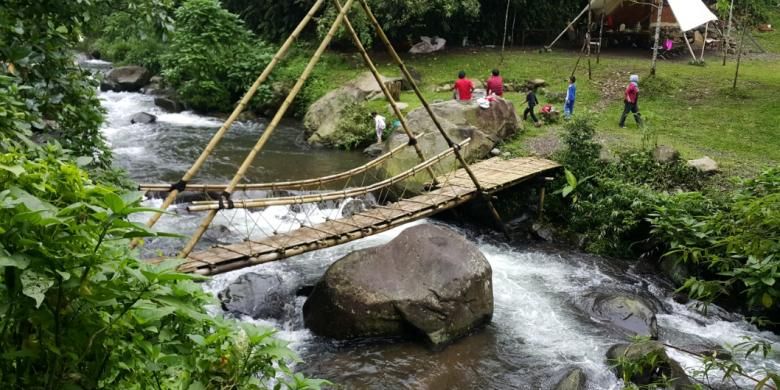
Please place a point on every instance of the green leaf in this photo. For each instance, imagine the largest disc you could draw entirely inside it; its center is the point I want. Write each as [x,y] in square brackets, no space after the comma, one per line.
[16,260]
[35,285]
[62,29]
[16,170]
[83,161]
[567,190]
[768,280]
[570,178]
[197,339]
[766,300]
[114,202]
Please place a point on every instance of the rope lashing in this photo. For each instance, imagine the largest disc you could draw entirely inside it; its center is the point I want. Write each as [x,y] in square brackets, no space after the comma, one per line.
[412,141]
[224,198]
[180,186]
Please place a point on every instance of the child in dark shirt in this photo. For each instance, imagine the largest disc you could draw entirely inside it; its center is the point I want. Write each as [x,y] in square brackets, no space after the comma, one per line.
[532,102]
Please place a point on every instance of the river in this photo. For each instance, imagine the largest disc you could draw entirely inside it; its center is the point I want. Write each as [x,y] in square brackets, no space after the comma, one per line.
[540,327]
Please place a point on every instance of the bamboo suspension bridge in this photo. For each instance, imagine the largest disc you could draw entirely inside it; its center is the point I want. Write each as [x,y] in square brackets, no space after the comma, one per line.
[449,180]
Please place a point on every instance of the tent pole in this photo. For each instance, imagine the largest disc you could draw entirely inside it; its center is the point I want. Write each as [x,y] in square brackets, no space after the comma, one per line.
[739,56]
[657,36]
[577,64]
[685,38]
[728,33]
[704,44]
[587,7]
[506,25]
[601,34]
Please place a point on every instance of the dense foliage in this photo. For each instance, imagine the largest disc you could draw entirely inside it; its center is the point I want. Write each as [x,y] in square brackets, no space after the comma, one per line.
[42,89]
[355,128]
[79,311]
[635,206]
[213,58]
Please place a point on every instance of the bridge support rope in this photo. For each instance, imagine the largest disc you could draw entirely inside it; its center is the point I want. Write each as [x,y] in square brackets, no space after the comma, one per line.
[391,50]
[190,174]
[270,128]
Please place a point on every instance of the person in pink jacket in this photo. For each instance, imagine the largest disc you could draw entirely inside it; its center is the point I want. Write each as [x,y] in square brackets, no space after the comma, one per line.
[631,102]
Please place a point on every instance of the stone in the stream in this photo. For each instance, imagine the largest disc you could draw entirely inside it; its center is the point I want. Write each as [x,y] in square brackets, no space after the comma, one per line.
[645,351]
[260,295]
[627,312]
[428,281]
[665,154]
[495,152]
[704,165]
[574,380]
[374,150]
[142,117]
[168,104]
[126,79]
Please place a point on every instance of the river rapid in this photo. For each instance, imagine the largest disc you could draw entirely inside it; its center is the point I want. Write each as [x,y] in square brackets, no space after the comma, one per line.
[540,327]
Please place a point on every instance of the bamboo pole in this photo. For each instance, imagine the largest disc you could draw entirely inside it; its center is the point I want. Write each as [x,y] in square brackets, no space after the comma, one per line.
[271,127]
[391,50]
[704,44]
[739,56]
[587,7]
[506,25]
[385,91]
[312,198]
[685,38]
[657,36]
[233,116]
[601,34]
[588,38]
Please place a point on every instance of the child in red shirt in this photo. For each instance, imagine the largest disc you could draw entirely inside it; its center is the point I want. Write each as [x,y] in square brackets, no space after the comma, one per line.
[463,87]
[495,84]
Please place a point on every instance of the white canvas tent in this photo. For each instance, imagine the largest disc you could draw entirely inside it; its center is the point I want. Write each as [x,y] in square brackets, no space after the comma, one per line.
[689,14]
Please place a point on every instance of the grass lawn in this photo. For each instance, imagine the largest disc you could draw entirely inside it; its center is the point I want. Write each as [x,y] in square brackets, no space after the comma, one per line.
[691,108]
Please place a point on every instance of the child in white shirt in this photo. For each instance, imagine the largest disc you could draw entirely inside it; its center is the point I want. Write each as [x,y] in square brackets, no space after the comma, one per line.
[379,122]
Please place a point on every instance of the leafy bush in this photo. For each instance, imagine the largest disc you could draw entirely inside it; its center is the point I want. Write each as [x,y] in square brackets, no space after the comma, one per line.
[79,311]
[638,167]
[213,58]
[47,88]
[734,243]
[581,154]
[355,128]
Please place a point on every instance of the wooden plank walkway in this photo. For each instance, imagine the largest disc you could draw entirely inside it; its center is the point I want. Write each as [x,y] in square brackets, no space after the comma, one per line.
[494,175]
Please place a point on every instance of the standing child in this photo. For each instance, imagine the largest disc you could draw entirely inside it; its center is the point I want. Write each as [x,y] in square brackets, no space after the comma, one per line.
[379,125]
[571,95]
[631,102]
[532,102]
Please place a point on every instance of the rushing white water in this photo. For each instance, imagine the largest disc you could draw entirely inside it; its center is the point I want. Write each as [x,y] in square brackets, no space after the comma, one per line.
[539,329]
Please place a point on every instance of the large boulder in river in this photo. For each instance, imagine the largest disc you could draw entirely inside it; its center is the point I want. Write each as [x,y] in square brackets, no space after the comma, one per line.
[632,314]
[322,117]
[260,295]
[485,127]
[429,281]
[126,79]
[624,357]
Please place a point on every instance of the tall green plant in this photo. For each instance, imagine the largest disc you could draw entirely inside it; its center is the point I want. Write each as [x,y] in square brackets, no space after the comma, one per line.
[77,310]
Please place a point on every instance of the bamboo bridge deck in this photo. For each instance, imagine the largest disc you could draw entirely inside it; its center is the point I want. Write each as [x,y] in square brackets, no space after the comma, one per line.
[494,175]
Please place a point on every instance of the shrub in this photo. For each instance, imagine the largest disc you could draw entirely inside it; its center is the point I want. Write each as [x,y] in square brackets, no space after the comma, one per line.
[213,58]
[79,311]
[355,128]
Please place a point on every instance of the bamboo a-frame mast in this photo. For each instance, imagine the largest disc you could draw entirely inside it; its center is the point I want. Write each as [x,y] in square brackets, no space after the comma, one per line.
[391,50]
[385,91]
[190,174]
[270,128]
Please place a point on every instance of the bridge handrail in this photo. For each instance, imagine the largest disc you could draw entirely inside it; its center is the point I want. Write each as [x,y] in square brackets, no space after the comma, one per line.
[284,185]
[311,198]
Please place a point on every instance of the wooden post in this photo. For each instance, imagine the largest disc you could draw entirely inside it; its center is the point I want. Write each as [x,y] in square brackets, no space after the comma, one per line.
[391,50]
[657,39]
[270,128]
[588,39]
[739,56]
[728,33]
[394,87]
[236,112]
[577,64]
[506,25]
[390,95]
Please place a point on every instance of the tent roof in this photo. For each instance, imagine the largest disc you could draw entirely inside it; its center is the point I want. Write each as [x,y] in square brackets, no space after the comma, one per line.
[691,13]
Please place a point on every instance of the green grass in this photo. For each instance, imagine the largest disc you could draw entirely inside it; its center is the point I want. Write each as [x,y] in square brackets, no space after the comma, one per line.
[691,108]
